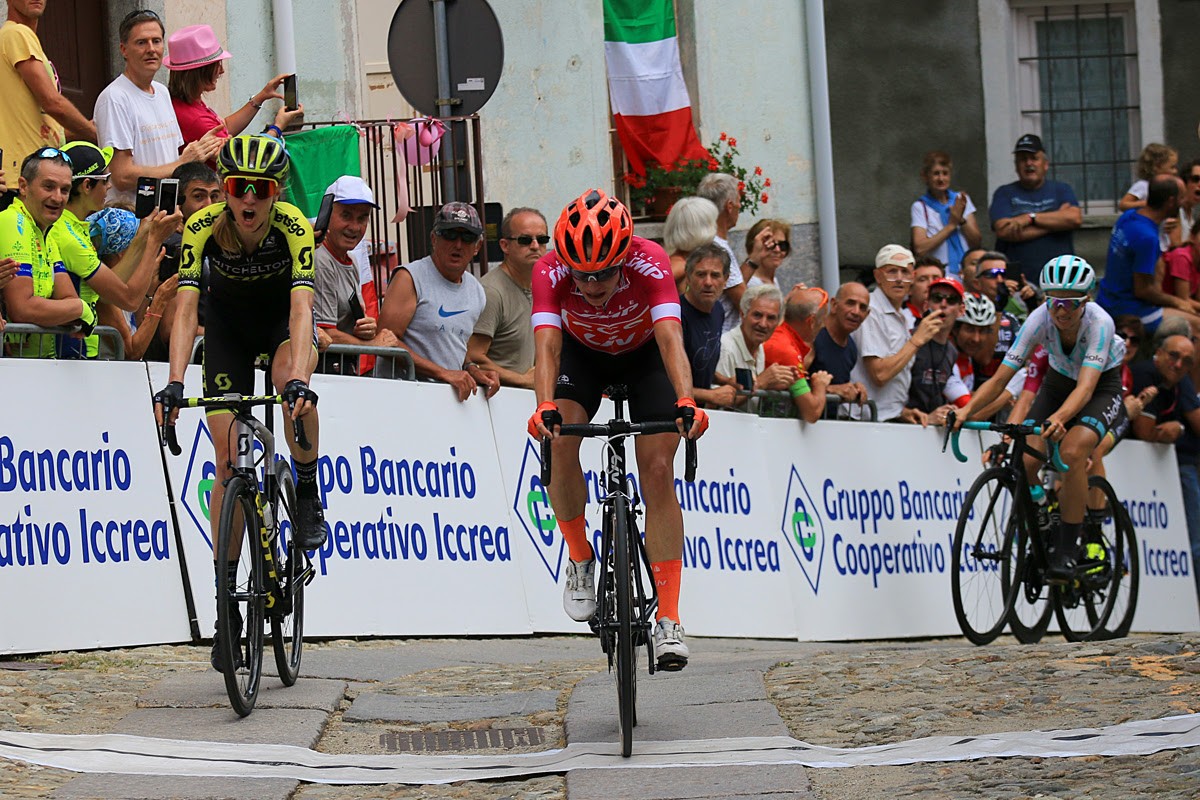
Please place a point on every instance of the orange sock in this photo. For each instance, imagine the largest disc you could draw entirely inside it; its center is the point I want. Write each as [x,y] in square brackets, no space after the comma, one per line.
[666,581]
[574,531]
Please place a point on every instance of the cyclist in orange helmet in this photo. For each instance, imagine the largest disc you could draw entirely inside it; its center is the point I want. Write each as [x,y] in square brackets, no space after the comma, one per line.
[613,295]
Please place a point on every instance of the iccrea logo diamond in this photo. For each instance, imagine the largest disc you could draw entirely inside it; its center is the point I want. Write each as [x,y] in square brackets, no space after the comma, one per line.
[803,530]
[531,502]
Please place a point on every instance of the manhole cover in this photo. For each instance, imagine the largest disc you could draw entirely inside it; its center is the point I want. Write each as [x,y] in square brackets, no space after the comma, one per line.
[434,741]
[24,665]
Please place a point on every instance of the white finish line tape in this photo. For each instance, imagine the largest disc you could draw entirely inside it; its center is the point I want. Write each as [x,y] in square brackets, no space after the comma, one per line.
[135,755]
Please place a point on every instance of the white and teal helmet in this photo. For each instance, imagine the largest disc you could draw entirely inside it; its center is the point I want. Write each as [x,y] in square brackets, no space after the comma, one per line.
[1069,273]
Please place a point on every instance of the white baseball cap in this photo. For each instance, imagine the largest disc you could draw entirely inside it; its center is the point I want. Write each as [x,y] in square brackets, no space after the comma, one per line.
[893,255]
[352,189]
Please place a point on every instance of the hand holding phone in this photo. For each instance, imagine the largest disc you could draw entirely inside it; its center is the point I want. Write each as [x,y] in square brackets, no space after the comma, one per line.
[291,100]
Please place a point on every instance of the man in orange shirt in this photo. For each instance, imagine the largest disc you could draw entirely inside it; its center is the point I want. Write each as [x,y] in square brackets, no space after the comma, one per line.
[791,345]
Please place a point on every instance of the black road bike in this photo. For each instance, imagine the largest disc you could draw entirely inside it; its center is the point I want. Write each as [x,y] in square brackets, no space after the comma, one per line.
[998,567]
[626,598]
[256,531]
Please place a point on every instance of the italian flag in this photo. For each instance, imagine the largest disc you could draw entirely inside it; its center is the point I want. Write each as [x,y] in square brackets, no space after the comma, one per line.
[645,83]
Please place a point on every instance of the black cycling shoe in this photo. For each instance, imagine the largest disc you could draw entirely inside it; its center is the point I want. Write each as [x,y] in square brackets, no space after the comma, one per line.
[309,523]
[1061,566]
[216,659]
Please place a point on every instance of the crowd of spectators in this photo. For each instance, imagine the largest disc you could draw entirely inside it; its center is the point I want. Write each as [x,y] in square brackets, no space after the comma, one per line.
[941,313]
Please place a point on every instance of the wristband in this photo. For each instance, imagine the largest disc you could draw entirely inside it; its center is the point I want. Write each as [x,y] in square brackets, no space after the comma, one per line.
[278,134]
[799,388]
[254,104]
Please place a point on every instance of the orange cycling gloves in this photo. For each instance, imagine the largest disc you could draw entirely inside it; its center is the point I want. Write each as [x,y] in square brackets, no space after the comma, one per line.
[700,419]
[549,406]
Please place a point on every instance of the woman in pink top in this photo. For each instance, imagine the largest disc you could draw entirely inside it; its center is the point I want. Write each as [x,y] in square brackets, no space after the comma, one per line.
[1182,277]
[194,57]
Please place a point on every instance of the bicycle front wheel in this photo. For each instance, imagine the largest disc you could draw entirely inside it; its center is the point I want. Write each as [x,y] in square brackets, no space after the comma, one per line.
[1086,603]
[626,651]
[983,543]
[241,597]
[287,624]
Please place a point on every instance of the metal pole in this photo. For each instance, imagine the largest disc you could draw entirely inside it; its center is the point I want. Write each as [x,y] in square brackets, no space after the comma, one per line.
[818,89]
[441,47]
[285,39]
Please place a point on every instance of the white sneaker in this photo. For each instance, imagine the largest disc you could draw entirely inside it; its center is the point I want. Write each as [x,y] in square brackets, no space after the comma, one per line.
[579,589]
[669,648]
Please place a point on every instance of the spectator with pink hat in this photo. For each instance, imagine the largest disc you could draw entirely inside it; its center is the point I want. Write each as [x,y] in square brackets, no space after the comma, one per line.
[195,58]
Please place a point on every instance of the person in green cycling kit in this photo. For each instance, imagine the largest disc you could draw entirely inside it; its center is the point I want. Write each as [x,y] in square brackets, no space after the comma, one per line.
[613,295]
[1080,398]
[259,300]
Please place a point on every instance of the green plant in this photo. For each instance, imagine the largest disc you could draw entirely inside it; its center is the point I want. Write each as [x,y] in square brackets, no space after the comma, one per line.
[683,176]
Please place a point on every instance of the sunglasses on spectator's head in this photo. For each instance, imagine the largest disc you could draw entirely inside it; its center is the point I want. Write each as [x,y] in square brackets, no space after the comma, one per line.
[824,295]
[782,245]
[263,188]
[944,297]
[525,240]
[48,154]
[459,234]
[1065,303]
[599,276]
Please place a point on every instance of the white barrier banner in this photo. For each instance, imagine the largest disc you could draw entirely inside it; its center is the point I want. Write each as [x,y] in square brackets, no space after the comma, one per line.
[735,578]
[88,555]
[419,539]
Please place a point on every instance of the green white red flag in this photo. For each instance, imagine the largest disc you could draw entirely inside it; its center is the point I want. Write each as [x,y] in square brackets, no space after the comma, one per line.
[650,101]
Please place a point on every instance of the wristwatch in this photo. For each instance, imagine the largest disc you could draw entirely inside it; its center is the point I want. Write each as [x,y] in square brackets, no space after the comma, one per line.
[1032,217]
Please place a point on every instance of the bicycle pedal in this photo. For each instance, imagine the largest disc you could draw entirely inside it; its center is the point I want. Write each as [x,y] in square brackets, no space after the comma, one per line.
[668,662]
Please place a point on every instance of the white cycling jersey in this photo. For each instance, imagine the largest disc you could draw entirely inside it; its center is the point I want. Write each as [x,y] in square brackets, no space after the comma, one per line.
[1097,346]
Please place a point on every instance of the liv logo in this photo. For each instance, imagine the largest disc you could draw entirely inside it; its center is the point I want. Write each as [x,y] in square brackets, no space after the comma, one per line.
[531,502]
[196,493]
[803,530]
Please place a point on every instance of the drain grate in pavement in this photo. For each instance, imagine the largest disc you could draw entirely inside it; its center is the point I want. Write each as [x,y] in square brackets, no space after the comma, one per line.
[434,741]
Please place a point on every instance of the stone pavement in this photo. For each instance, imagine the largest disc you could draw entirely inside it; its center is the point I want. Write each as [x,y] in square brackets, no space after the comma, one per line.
[518,695]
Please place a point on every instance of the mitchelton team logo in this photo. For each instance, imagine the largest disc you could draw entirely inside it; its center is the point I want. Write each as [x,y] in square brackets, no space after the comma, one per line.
[531,502]
[803,530]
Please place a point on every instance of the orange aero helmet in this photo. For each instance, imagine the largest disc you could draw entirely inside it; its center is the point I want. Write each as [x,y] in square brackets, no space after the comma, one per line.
[593,232]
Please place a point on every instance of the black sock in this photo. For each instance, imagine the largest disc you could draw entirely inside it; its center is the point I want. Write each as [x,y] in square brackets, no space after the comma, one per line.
[1069,536]
[306,478]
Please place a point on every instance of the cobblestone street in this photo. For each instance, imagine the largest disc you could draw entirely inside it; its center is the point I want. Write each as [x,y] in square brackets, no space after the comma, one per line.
[838,695]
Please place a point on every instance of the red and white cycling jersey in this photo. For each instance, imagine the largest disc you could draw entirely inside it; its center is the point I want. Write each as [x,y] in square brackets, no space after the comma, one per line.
[646,295]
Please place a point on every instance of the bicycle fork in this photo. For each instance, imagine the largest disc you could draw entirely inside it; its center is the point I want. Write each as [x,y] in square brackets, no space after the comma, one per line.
[263,512]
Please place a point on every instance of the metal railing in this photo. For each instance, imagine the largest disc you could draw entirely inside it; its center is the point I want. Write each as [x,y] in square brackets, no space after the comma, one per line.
[14,346]
[775,403]
[392,356]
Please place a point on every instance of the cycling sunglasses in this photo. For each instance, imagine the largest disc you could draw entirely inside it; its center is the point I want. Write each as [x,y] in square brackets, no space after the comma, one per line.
[48,154]
[263,188]
[1065,303]
[525,240]
[998,272]
[458,234]
[599,276]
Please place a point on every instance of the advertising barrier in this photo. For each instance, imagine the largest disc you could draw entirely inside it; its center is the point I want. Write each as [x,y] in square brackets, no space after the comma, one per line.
[439,525]
[88,554]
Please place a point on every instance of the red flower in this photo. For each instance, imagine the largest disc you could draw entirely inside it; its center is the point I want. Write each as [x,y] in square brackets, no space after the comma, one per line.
[767,183]
[732,142]
[758,170]
[764,197]
[723,136]
[713,166]
[741,186]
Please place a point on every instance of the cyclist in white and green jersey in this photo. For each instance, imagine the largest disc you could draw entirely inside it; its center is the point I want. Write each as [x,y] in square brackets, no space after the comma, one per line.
[1080,398]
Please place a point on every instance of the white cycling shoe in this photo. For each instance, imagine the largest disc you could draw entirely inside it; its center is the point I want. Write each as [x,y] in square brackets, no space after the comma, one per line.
[669,649]
[579,590]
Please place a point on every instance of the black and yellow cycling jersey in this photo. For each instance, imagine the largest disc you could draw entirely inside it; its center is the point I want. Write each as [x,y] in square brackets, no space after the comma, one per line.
[282,262]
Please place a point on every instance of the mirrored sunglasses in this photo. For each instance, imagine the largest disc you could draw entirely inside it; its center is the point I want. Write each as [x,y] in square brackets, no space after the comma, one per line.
[1065,303]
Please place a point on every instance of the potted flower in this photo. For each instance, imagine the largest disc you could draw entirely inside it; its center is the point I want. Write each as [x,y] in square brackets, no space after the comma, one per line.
[654,193]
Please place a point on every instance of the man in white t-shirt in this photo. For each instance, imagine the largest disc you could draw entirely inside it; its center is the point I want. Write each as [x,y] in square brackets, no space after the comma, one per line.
[722,190]
[134,115]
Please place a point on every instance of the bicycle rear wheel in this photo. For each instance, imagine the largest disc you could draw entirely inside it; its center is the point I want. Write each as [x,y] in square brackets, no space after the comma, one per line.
[1087,601]
[983,545]
[287,624]
[1121,619]
[241,598]
[626,651]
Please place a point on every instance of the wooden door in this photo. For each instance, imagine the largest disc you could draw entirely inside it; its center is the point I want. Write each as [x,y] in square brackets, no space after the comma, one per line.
[73,34]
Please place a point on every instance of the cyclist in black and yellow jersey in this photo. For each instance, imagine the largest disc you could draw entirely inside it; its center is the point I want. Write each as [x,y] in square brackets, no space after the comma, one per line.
[259,300]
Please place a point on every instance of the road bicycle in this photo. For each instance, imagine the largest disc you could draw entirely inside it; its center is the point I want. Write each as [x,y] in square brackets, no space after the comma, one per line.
[626,598]
[998,565]
[271,574]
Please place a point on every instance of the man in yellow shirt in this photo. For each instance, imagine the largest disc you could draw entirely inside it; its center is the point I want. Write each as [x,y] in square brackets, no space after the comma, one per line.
[35,111]
[41,292]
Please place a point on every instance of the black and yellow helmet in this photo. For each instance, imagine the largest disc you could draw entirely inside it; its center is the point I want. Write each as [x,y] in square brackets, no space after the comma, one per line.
[253,157]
